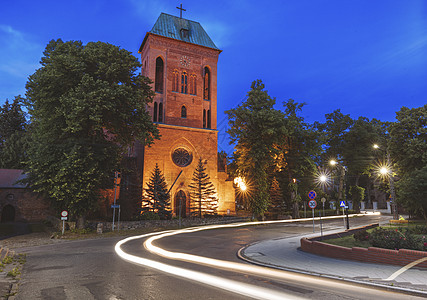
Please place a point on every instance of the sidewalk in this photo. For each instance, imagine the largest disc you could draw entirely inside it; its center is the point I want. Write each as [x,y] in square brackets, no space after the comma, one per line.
[283,253]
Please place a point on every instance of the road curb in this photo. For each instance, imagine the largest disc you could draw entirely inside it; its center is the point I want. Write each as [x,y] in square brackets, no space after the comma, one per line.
[241,255]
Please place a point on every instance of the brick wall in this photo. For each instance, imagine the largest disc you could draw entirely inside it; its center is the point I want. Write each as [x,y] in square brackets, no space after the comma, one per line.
[400,257]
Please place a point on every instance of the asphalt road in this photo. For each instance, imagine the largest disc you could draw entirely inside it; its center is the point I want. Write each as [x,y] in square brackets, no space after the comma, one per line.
[91,269]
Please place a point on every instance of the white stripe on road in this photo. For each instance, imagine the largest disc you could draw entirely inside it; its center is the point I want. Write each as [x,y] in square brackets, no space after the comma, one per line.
[405,268]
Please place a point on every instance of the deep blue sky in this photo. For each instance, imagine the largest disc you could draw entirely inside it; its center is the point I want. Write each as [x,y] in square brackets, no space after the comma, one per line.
[368,58]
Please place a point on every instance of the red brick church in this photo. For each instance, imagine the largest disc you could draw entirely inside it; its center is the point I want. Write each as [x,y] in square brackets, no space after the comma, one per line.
[181,60]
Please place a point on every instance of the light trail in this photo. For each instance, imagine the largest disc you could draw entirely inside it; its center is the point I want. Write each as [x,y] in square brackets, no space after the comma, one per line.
[215,281]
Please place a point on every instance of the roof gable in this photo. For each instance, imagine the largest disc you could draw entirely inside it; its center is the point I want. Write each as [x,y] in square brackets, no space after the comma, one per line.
[182,30]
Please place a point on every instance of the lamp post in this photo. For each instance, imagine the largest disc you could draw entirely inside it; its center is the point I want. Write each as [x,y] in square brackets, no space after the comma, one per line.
[388,172]
[341,192]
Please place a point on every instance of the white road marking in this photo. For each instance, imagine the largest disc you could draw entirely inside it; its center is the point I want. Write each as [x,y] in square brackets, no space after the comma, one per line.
[405,268]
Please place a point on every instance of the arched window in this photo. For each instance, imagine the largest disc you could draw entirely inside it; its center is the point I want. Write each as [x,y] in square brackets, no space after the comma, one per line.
[175,81]
[193,85]
[207,84]
[160,112]
[209,119]
[184,83]
[155,112]
[183,112]
[159,75]
[204,118]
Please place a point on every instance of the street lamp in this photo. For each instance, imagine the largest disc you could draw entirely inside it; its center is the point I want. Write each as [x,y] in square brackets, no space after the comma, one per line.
[386,171]
[333,162]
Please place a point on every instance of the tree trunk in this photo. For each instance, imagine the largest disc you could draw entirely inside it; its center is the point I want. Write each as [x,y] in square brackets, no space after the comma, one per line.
[81,222]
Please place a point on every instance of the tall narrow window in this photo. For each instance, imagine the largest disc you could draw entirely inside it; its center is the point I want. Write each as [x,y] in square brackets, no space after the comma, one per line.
[155,112]
[160,112]
[193,86]
[209,118]
[175,81]
[184,83]
[183,112]
[207,84]
[159,75]
[204,118]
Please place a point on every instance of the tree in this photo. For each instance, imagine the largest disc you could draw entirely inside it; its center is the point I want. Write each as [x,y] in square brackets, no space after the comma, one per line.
[87,106]
[357,194]
[412,192]
[202,192]
[13,139]
[157,197]
[408,150]
[299,146]
[276,199]
[255,129]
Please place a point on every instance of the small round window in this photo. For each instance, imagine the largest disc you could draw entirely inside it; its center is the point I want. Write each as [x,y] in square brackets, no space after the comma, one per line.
[182,157]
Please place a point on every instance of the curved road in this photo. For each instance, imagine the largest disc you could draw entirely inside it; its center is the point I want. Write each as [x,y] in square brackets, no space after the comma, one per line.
[91,269]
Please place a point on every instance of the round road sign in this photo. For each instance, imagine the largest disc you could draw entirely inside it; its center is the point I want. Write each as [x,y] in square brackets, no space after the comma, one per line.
[323,200]
[64,213]
[312,194]
[312,203]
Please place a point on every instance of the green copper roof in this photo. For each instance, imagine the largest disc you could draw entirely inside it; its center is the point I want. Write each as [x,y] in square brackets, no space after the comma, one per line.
[182,30]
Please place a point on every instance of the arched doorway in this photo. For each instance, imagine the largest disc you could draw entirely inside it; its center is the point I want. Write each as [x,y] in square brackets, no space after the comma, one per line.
[8,213]
[181,199]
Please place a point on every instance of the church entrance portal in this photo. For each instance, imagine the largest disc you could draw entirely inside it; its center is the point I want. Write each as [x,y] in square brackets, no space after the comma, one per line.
[181,199]
[8,214]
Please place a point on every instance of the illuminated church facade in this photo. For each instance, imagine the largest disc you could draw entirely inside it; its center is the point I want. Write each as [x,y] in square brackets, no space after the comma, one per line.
[181,60]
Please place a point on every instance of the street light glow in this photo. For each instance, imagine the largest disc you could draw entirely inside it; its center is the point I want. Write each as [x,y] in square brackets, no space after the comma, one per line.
[333,162]
[323,178]
[240,182]
[375,146]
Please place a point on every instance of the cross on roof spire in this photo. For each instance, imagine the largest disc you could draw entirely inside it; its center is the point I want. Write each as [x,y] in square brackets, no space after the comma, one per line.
[181,9]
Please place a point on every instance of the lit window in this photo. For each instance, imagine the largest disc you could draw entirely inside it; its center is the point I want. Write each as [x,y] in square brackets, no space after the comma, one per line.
[175,81]
[207,84]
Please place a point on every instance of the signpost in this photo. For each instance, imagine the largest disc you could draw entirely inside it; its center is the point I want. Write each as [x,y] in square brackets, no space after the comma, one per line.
[342,204]
[64,215]
[312,204]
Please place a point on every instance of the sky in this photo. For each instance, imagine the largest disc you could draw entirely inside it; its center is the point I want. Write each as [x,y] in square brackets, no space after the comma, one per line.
[366,58]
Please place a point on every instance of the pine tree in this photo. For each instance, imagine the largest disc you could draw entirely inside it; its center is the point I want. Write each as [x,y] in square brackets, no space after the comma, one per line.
[157,198]
[202,193]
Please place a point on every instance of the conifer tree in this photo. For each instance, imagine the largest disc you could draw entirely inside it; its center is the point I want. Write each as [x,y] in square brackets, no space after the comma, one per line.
[157,197]
[202,192]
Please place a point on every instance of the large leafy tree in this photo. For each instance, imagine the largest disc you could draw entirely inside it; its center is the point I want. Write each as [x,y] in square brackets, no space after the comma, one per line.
[300,147]
[202,192]
[408,150]
[157,198]
[87,105]
[13,138]
[255,129]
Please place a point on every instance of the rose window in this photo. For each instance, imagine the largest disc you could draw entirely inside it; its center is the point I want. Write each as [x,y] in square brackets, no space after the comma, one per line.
[181,157]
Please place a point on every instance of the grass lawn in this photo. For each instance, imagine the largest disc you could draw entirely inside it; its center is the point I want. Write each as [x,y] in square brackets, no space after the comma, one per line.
[348,241]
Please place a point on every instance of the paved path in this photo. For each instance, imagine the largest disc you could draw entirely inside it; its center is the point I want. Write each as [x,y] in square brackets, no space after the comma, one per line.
[283,253]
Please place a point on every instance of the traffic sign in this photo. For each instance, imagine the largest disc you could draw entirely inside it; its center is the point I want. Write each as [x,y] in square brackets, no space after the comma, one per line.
[312,204]
[312,194]
[115,206]
[64,213]
[342,203]
[323,200]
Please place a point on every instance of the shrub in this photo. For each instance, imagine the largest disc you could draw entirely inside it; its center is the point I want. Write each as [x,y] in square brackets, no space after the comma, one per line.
[395,239]
[149,215]
[361,235]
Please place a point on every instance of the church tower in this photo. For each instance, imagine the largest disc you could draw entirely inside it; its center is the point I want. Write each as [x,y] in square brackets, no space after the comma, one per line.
[181,60]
